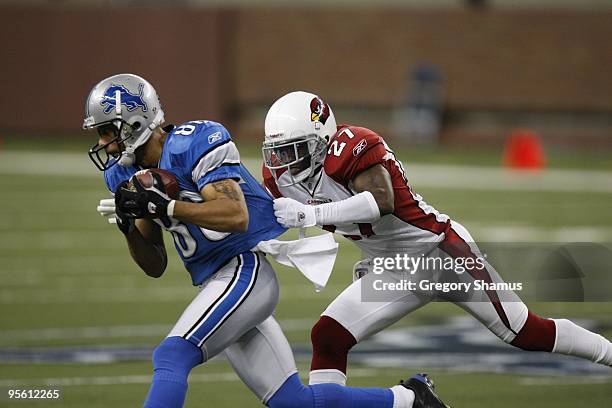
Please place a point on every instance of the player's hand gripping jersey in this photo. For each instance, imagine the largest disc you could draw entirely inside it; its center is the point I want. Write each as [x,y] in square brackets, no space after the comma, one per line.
[352,150]
[199,153]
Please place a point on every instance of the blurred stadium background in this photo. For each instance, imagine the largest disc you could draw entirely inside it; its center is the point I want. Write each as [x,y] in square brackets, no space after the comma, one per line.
[469,93]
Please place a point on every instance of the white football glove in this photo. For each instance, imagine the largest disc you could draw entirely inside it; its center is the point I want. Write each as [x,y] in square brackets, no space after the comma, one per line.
[293,214]
[106,208]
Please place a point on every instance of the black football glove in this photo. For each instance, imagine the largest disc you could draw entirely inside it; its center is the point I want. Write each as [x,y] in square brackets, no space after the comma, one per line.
[125,222]
[151,202]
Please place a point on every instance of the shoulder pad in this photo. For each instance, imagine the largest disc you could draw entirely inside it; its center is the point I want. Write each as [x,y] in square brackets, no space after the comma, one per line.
[352,150]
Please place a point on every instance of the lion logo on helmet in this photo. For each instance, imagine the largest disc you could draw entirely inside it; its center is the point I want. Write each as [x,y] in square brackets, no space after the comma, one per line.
[319,110]
[130,100]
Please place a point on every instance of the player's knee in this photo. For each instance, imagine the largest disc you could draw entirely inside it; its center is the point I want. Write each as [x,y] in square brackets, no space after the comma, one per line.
[537,334]
[176,354]
[292,394]
[330,337]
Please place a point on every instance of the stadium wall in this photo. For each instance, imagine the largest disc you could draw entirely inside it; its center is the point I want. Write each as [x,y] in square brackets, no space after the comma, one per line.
[230,64]
[55,56]
[496,59]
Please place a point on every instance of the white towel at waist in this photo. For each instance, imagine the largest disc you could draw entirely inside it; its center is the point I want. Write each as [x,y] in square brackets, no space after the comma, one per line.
[314,256]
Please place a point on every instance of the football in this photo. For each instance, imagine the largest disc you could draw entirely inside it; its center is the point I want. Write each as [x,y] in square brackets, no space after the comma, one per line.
[169,181]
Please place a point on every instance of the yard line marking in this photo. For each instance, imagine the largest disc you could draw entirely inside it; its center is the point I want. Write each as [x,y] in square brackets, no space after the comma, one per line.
[92,332]
[420,175]
[122,331]
[530,381]
[523,233]
[231,376]
[35,295]
[500,179]
[146,379]
[33,163]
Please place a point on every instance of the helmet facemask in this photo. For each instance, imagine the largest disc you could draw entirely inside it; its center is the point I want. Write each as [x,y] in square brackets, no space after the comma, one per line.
[301,158]
[98,154]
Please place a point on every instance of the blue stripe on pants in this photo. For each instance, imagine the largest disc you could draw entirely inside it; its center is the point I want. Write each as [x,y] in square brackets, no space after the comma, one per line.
[242,286]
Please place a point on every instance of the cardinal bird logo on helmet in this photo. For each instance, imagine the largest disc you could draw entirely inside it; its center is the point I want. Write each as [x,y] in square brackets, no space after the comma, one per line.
[319,110]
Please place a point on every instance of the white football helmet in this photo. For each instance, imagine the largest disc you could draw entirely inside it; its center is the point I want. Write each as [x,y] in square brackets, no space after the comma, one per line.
[298,128]
[130,105]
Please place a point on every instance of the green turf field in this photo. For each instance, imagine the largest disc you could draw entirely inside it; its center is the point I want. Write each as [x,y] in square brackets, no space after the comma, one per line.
[68,280]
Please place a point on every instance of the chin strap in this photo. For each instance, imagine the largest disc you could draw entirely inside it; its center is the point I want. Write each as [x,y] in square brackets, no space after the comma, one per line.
[128,157]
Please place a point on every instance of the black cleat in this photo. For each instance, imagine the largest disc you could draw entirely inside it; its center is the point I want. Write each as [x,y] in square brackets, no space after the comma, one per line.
[424,395]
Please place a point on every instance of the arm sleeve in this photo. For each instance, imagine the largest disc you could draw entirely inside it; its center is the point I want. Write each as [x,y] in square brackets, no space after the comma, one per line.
[358,208]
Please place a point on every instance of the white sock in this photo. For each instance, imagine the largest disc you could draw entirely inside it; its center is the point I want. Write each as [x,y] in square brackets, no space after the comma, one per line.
[327,376]
[402,397]
[574,340]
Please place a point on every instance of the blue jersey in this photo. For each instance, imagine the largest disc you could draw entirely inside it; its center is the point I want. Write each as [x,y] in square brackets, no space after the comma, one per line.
[199,153]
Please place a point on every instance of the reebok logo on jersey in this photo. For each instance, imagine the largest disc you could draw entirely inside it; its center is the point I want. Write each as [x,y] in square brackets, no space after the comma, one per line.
[359,148]
[214,137]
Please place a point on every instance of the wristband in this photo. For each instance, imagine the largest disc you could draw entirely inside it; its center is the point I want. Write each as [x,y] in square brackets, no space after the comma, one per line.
[170,209]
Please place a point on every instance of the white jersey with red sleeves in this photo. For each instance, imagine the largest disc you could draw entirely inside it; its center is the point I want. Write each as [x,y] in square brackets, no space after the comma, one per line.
[352,150]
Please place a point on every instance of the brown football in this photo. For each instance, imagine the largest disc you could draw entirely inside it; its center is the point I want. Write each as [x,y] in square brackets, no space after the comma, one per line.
[168,179]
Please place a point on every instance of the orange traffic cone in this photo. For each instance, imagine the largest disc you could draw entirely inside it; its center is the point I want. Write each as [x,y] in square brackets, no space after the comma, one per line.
[524,150]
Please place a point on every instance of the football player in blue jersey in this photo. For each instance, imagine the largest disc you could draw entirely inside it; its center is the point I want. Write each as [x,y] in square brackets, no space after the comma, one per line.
[222,214]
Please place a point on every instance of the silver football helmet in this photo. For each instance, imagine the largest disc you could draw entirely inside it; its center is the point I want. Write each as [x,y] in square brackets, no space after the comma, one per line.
[129,104]
[298,128]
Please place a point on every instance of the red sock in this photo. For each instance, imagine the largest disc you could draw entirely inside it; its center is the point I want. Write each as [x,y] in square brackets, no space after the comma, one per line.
[537,334]
[331,343]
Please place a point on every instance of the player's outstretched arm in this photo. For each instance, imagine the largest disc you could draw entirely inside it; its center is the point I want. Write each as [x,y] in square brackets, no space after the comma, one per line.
[224,208]
[377,181]
[375,198]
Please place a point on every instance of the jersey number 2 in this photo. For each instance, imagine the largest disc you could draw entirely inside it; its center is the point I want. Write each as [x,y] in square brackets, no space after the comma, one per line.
[336,147]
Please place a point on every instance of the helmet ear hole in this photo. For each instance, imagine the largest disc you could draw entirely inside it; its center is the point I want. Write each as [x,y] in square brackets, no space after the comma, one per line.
[136,126]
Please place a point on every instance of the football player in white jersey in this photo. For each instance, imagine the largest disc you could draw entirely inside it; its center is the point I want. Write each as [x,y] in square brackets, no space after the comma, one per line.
[346,179]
